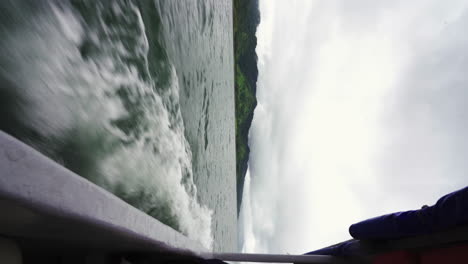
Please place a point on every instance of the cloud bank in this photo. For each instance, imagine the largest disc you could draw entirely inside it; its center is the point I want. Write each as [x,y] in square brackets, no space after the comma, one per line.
[361,111]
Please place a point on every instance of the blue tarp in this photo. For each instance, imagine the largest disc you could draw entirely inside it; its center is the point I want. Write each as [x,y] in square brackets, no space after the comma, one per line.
[347,248]
[450,211]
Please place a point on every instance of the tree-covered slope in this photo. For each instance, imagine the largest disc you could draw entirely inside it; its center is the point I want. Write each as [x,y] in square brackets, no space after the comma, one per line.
[246,20]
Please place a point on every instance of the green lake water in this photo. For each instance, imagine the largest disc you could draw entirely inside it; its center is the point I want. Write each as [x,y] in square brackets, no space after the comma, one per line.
[136,96]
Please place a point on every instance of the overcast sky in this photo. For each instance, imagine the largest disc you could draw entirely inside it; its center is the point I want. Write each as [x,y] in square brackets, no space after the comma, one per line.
[362,110]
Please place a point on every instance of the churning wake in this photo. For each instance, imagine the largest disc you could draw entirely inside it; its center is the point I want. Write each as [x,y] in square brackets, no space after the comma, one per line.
[89,85]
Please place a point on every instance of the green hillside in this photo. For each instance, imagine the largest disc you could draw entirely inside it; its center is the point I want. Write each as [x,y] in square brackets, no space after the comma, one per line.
[246,20]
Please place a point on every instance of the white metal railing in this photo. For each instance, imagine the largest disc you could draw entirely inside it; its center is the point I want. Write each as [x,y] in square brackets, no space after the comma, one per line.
[274,258]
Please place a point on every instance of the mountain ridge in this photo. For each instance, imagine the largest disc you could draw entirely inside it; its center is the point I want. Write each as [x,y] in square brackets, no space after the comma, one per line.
[246,15]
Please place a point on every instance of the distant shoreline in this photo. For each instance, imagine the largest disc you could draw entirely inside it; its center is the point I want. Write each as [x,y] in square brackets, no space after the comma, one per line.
[246,17]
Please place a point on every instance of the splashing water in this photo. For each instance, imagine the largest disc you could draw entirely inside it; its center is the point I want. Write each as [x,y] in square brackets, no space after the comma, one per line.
[86,85]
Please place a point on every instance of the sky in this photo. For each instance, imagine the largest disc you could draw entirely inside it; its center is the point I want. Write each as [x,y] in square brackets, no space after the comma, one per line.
[361,112]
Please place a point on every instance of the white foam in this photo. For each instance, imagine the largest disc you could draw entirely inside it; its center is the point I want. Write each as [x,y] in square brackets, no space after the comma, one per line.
[67,92]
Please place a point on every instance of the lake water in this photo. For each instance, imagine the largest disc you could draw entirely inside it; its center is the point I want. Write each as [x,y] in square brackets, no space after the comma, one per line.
[136,96]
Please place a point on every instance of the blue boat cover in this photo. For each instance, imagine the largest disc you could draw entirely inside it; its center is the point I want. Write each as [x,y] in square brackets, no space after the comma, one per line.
[347,248]
[450,211]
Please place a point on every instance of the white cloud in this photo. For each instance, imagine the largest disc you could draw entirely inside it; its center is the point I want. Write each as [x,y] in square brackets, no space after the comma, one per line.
[361,112]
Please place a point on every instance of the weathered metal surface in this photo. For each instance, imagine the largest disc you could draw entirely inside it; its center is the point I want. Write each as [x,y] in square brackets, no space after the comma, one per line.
[42,201]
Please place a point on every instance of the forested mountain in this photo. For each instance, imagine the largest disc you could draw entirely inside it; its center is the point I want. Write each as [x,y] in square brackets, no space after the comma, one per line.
[246,20]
